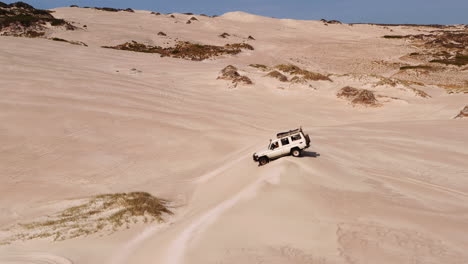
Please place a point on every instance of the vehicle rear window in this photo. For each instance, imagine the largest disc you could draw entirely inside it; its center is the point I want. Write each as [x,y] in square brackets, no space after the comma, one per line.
[296,137]
[284,141]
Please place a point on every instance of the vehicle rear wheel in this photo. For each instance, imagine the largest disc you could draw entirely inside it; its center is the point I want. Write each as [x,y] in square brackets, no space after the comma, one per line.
[296,152]
[262,161]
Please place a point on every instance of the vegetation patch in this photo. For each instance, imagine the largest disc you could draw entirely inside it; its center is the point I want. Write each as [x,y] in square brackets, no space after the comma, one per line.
[259,66]
[22,20]
[278,75]
[307,75]
[230,73]
[330,21]
[108,9]
[184,50]
[224,35]
[463,113]
[416,67]
[458,60]
[358,96]
[69,41]
[107,213]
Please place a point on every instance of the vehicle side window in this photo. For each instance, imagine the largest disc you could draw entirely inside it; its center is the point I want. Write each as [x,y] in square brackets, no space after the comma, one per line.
[284,141]
[296,137]
[274,145]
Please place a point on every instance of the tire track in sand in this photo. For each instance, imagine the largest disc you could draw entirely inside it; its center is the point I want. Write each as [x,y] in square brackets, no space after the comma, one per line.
[33,258]
[123,254]
[176,251]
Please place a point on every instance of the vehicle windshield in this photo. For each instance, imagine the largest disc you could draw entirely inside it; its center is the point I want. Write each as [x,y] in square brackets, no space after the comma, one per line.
[274,145]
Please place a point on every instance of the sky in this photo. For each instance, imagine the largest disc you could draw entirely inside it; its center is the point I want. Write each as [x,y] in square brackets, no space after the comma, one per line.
[348,11]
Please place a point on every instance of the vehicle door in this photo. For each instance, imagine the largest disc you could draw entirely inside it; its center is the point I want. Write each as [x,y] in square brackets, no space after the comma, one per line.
[285,146]
[275,149]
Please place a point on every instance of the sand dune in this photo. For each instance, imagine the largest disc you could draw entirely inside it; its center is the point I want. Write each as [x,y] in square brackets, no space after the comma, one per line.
[384,184]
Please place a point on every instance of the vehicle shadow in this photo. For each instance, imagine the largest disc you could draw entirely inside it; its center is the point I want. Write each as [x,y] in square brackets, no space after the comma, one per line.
[312,154]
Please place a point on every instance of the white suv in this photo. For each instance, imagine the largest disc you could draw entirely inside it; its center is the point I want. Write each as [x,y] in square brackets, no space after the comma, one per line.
[290,142]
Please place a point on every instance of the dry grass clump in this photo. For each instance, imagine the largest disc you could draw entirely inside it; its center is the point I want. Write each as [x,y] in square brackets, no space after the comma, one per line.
[313,76]
[251,38]
[259,66]
[306,75]
[288,68]
[420,93]
[22,20]
[230,73]
[463,113]
[393,37]
[107,213]
[358,96]
[455,88]
[416,67]
[224,35]
[184,50]
[457,60]
[160,33]
[298,80]
[330,21]
[240,46]
[109,9]
[278,75]
[70,41]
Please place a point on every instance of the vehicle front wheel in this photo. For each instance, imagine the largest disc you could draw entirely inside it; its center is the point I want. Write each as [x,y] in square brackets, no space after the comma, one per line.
[296,152]
[262,161]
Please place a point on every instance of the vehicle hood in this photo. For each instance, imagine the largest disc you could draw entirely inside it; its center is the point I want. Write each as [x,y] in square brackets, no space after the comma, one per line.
[261,152]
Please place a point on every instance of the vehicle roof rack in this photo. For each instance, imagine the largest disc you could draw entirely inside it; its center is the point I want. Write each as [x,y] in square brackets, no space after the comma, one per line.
[288,133]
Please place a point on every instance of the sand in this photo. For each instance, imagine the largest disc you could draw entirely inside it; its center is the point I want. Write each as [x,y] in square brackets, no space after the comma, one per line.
[385,184]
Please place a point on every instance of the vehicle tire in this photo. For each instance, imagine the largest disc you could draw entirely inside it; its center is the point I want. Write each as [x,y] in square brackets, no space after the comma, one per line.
[296,152]
[262,161]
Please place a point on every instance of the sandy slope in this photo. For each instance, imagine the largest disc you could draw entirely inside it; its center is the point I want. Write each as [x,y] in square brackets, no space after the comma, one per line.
[386,185]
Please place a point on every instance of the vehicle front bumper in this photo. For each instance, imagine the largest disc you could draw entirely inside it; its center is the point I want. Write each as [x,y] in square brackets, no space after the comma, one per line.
[255,157]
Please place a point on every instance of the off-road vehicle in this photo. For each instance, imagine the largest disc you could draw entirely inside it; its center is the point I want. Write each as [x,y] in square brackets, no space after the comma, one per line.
[291,142]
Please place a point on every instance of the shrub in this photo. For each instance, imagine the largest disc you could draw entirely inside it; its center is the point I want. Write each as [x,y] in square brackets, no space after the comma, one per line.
[59,39]
[22,5]
[289,68]
[278,75]
[307,75]
[259,66]
[458,60]
[184,50]
[230,73]
[423,67]
[239,46]
[27,18]
[357,96]
[224,35]
[162,33]
[348,92]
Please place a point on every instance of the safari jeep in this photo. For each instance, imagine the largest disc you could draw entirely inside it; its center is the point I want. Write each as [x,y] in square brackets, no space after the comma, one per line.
[290,142]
